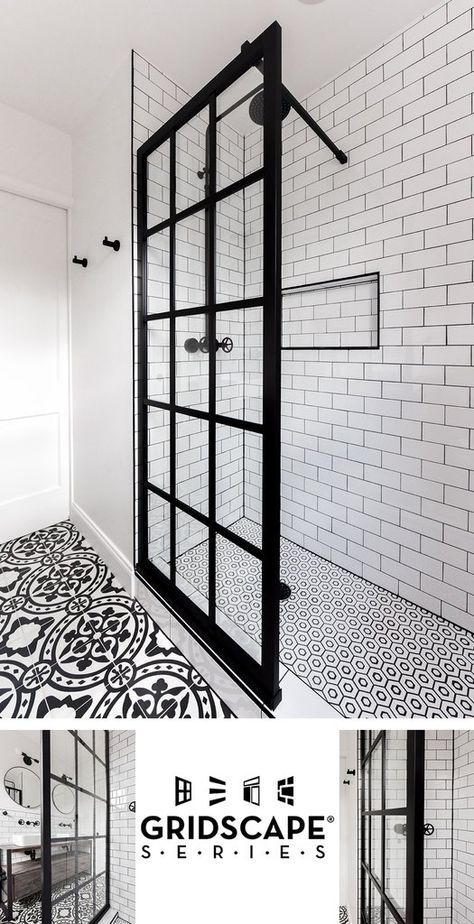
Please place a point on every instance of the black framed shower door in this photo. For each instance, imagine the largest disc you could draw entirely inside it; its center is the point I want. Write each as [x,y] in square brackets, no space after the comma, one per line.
[184,421]
[75,865]
[391,829]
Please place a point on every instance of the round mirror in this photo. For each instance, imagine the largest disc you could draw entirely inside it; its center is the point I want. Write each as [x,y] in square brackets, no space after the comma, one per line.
[23,787]
[63,799]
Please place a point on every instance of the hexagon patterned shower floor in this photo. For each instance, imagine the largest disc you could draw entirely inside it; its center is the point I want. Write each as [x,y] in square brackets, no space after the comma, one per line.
[365,650]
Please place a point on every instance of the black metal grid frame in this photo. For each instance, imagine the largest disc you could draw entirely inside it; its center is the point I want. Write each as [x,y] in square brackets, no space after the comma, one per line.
[413,811]
[47,776]
[260,678]
[334,283]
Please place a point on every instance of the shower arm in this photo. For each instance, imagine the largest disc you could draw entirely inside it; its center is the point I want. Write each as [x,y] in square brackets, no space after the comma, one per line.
[296,105]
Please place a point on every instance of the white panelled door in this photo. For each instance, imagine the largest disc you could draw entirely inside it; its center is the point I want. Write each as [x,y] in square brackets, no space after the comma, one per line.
[34,458]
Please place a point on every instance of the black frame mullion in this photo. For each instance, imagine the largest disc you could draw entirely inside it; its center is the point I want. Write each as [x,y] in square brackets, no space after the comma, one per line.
[172,334]
[415,826]
[211,336]
[261,680]
[46,879]
[272,232]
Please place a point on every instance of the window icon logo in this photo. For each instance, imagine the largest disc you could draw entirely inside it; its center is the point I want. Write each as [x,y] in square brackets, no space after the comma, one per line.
[217,790]
[251,790]
[286,790]
[182,790]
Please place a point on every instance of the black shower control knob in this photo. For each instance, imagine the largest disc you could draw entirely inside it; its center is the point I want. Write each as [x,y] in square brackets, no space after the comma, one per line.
[204,345]
[429,830]
[227,344]
[21,821]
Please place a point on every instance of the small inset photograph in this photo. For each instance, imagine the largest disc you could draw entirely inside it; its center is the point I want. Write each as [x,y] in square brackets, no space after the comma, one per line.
[67,826]
[407,827]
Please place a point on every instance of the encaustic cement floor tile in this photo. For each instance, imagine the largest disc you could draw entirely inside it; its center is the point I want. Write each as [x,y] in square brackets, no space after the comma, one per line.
[74,644]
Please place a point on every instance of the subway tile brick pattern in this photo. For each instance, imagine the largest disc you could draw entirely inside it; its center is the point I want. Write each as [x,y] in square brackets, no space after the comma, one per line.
[122,824]
[378,448]
[463,835]
[439,813]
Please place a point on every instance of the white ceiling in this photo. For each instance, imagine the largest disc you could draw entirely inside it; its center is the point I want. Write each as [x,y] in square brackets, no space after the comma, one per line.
[56,56]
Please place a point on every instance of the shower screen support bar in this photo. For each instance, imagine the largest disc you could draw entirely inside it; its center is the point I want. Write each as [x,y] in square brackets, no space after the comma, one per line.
[301,111]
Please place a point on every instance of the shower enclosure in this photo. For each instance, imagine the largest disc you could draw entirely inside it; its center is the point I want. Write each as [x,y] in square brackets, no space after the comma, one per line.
[209,351]
[416,830]
[56,866]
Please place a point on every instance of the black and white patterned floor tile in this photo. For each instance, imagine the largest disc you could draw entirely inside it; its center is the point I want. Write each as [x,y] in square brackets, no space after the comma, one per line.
[29,910]
[343,915]
[365,650]
[73,644]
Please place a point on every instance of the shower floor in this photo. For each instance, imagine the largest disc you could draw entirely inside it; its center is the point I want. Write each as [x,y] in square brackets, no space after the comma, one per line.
[29,910]
[363,649]
[73,644]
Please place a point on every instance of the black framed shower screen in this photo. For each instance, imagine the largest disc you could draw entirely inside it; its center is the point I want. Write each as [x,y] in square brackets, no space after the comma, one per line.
[84,895]
[162,513]
[391,826]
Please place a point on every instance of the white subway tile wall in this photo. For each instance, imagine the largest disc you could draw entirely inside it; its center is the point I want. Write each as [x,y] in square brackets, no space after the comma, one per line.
[122,824]
[439,813]
[463,835]
[378,447]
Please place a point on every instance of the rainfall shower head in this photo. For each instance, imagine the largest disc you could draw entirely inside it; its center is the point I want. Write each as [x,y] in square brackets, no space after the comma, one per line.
[256,108]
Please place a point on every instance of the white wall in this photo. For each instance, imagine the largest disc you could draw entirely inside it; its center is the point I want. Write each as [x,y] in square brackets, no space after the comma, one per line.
[122,824]
[34,156]
[348,856]
[463,834]
[102,329]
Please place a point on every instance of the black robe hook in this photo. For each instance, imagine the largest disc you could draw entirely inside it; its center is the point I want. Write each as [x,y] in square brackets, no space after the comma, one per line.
[114,244]
[82,262]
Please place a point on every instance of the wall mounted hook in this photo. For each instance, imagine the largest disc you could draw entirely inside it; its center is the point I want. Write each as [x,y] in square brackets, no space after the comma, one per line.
[114,244]
[82,262]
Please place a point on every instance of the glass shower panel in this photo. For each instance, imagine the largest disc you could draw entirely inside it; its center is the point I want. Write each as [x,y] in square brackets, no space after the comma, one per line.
[192,362]
[239,595]
[190,265]
[159,549]
[192,559]
[158,354]
[159,448]
[158,185]
[239,129]
[192,462]
[158,272]
[396,769]
[396,861]
[239,372]
[191,160]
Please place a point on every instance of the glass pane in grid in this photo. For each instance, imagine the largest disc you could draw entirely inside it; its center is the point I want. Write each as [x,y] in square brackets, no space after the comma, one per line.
[100,892]
[159,533]
[100,779]
[239,596]
[63,755]
[159,448]
[376,846]
[395,769]
[158,273]
[85,768]
[366,840]
[235,124]
[375,906]
[376,777]
[85,903]
[192,362]
[254,240]
[192,462]
[63,808]
[100,855]
[100,744]
[230,248]
[158,185]
[396,860]
[158,339]
[229,475]
[366,785]
[192,559]
[100,817]
[191,161]
[366,896]
[239,364]
[85,812]
[190,264]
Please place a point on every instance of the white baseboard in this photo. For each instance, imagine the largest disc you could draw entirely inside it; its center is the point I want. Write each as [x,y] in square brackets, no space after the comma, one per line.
[118,563]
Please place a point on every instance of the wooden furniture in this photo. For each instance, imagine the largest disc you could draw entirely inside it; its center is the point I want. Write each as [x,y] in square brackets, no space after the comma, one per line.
[23,878]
